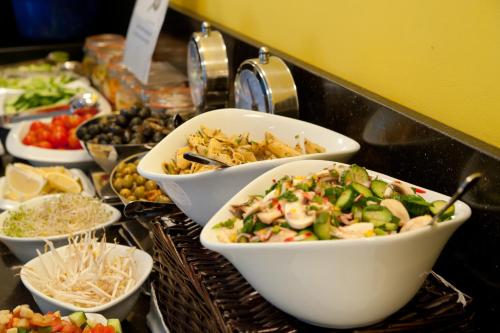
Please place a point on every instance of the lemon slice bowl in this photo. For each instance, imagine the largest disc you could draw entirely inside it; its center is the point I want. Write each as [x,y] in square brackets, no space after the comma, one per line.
[9,203]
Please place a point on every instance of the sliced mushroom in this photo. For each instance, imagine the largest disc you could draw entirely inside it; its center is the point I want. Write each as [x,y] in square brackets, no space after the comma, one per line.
[249,210]
[397,209]
[296,215]
[269,215]
[356,230]
[402,188]
[417,223]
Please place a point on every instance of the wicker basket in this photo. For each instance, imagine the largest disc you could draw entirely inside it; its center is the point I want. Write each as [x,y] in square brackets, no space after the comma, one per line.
[200,291]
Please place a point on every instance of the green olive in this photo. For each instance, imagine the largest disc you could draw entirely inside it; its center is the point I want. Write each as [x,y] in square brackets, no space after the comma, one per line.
[118,184]
[131,198]
[150,185]
[140,180]
[128,181]
[140,192]
[162,198]
[121,167]
[125,192]
[131,169]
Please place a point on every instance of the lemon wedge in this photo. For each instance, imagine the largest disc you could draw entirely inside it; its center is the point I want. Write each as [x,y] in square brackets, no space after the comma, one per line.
[24,181]
[63,182]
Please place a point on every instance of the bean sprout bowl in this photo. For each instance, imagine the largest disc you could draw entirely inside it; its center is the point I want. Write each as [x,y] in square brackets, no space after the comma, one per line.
[37,270]
[24,247]
[341,283]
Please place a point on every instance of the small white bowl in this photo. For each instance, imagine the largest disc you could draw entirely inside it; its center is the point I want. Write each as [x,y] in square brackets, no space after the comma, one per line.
[87,189]
[24,248]
[118,308]
[200,195]
[335,283]
[78,158]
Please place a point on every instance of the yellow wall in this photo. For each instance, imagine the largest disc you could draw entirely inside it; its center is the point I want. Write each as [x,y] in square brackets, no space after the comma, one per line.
[438,57]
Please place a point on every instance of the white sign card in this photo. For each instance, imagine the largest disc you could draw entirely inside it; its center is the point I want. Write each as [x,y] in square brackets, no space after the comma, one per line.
[142,35]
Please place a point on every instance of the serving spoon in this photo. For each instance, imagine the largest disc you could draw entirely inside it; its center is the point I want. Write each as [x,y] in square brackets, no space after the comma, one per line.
[462,188]
[197,158]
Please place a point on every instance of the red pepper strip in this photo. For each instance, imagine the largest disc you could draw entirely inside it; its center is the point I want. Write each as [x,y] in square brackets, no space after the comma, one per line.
[417,190]
[289,239]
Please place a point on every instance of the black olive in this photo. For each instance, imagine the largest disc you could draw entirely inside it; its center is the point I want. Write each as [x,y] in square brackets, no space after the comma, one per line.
[136,129]
[86,137]
[115,129]
[122,121]
[135,141]
[94,129]
[177,121]
[148,132]
[137,137]
[144,113]
[157,137]
[135,121]
[82,131]
[116,140]
[109,136]
[163,115]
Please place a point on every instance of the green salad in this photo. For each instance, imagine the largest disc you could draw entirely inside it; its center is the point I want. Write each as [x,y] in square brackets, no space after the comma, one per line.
[339,202]
[38,91]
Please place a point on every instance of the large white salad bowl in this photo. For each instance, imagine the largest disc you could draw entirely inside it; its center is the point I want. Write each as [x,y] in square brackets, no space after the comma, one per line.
[24,248]
[200,195]
[335,283]
[117,308]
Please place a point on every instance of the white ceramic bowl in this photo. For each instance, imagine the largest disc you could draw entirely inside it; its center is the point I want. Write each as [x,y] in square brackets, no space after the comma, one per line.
[78,158]
[25,248]
[118,308]
[335,283]
[87,189]
[200,195]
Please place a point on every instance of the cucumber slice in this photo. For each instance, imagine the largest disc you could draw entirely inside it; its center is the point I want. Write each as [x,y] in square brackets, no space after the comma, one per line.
[310,237]
[374,213]
[357,212]
[379,232]
[361,189]
[355,174]
[415,204]
[437,205]
[78,318]
[378,187]
[115,323]
[346,199]
[321,226]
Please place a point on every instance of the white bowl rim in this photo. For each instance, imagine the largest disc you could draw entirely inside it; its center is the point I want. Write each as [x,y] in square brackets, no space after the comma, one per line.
[242,167]
[208,228]
[115,216]
[144,275]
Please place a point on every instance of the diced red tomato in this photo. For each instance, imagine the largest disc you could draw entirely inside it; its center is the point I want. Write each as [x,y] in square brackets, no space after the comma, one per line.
[59,137]
[29,139]
[99,328]
[42,134]
[73,142]
[43,144]
[37,125]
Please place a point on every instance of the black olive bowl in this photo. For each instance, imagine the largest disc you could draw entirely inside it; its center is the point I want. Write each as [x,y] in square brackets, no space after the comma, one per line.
[114,142]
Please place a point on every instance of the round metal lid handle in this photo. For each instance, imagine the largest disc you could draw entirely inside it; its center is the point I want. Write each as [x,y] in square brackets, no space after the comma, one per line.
[205,29]
[263,55]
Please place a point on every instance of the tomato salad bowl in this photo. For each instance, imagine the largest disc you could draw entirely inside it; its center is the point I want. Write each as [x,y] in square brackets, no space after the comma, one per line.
[336,283]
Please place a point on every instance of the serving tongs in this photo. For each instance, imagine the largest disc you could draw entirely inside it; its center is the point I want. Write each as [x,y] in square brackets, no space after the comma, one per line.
[79,101]
[462,188]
